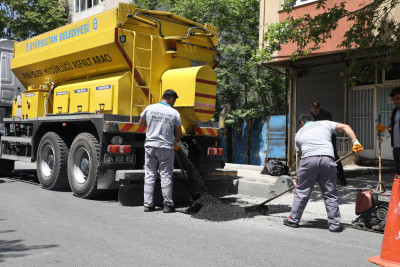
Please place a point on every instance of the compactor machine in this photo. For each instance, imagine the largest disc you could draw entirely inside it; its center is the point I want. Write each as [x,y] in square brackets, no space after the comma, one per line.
[87,84]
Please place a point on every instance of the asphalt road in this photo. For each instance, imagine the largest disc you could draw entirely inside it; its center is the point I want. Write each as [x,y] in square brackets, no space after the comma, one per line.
[46,228]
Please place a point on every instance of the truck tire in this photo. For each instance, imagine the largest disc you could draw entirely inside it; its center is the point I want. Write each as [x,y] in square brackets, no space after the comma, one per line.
[6,167]
[52,156]
[83,165]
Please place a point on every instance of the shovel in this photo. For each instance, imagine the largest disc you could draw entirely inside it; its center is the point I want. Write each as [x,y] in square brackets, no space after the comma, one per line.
[262,204]
[379,186]
[192,196]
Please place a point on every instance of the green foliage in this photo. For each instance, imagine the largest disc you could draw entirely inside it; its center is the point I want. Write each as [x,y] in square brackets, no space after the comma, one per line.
[22,19]
[371,42]
[249,91]
[236,117]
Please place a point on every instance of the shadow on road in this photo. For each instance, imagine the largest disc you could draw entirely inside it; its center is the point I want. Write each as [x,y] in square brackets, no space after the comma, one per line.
[7,231]
[321,224]
[277,208]
[16,249]
[107,196]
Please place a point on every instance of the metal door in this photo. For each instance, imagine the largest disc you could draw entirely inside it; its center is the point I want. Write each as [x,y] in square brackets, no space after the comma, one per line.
[363,118]
[385,107]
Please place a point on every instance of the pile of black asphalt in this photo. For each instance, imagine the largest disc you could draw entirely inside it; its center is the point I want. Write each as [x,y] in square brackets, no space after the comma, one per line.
[210,208]
[213,209]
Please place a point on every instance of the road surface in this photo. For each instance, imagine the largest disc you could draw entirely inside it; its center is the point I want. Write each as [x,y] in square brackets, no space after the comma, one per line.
[45,228]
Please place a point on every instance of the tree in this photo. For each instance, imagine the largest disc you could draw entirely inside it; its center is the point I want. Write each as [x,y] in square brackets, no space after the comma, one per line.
[22,19]
[250,92]
[372,40]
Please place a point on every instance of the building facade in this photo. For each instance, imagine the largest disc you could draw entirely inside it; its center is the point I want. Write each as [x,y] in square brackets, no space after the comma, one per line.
[319,76]
[81,9]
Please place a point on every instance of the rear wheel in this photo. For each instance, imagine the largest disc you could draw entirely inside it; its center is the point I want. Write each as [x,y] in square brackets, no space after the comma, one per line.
[83,164]
[51,162]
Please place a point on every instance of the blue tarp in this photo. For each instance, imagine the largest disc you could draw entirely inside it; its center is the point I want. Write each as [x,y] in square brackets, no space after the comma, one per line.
[258,142]
[276,137]
[240,144]
[267,139]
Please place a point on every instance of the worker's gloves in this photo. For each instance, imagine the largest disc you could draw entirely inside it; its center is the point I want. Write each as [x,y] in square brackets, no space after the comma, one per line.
[380,128]
[177,145]
[357,147]
[182,146]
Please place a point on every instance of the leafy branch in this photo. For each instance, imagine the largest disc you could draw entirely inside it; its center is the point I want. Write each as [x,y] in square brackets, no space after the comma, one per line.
[371,41]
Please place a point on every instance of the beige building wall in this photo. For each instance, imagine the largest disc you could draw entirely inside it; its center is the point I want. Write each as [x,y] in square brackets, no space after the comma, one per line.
[268,14]
[396,13]
[114,3]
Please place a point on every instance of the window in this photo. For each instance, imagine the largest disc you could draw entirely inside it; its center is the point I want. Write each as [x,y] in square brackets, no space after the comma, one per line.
[302,2]
[81,5]
[77,6]
[393,73]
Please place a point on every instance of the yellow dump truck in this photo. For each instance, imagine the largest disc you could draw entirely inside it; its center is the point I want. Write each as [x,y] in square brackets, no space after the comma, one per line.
[87,84]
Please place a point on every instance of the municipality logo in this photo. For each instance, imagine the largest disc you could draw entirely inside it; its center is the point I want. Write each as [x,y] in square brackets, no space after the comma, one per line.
[94,24]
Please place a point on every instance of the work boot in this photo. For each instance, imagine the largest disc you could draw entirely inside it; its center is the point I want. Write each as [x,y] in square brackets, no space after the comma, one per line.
[168,209]
[336,230]
[148,209]
[290,224]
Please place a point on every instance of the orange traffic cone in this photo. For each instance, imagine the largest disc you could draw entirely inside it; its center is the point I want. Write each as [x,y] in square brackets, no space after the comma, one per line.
[390,251]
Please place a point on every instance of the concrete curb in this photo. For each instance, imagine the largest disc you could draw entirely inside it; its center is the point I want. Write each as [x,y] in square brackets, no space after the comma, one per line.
[234,166]
[252,183]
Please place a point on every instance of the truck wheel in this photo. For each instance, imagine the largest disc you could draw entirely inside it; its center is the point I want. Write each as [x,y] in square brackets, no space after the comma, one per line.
[51,162]
[6,167]
[83,163]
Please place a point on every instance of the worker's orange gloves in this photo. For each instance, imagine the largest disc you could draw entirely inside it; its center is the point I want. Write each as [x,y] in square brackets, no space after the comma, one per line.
[380,128]
[357,147]
[177,145]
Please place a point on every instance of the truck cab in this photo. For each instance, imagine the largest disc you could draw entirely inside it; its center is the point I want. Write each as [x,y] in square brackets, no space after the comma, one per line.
[10,86]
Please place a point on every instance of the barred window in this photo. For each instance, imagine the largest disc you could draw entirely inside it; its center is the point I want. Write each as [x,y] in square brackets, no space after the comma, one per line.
[81,5]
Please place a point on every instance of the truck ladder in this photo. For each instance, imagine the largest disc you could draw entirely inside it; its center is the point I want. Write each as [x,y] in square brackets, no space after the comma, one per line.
[137,70]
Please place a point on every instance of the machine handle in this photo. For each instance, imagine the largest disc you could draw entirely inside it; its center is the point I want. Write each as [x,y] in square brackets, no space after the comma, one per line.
[145,21]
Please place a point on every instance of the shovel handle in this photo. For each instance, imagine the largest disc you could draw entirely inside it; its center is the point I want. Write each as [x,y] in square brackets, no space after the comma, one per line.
[345,157]
[278,195]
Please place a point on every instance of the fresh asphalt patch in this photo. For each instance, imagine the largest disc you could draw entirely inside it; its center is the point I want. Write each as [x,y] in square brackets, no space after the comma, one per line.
[214,209]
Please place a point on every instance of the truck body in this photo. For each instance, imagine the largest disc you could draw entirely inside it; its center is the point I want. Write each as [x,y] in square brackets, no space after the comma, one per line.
[87,84]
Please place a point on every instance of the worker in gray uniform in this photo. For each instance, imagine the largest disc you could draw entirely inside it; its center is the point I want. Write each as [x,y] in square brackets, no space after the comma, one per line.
[317,164]
[163,130]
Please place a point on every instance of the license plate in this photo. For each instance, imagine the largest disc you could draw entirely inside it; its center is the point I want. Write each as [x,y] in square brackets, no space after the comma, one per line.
[120,159]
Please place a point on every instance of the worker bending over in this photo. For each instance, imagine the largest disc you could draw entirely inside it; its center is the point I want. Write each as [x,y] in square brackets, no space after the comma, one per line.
[317,164]
[163,129]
